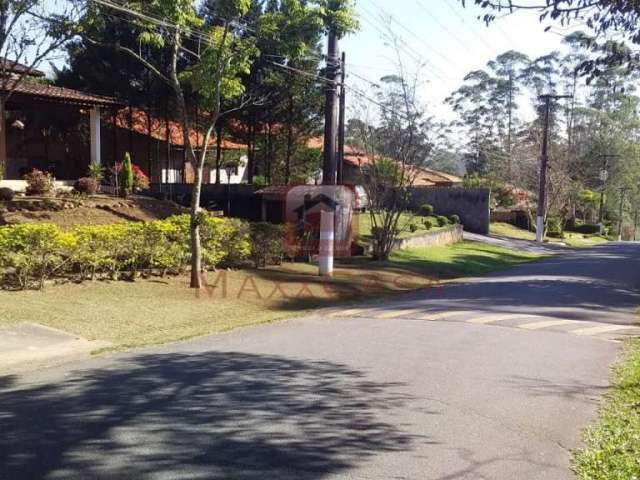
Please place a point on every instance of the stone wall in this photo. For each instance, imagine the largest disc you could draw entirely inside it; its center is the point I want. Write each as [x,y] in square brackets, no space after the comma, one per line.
[448,236]
[470,204]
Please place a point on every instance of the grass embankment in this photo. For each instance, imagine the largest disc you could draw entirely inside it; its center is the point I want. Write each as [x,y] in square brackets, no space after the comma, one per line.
[406,219]
[572,239]
[159,310]
[612,449]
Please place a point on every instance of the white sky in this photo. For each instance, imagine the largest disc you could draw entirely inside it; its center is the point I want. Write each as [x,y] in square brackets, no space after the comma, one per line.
[449,38]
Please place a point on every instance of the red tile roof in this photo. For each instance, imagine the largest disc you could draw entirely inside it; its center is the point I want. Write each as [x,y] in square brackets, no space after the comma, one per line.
[423,176]
[159,129]
[10,66]
[50,93]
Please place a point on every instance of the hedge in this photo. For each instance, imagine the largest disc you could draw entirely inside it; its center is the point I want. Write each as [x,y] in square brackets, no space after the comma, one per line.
[32,254]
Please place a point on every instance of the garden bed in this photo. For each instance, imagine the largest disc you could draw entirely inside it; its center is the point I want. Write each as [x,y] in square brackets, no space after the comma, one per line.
[70,210]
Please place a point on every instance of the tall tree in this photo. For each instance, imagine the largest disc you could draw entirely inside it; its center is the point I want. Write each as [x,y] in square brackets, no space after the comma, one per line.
[214,73]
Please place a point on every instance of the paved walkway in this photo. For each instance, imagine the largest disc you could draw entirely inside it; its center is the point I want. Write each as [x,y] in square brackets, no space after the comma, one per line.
[492,378]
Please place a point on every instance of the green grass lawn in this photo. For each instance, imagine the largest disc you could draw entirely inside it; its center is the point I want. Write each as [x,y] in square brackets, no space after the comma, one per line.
[573,239]
[612,449]
[406,218]
[511,231]
[159,310]
[578,240]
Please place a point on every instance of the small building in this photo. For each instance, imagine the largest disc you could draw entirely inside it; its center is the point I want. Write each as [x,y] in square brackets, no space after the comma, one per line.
[156,144]
[42,124]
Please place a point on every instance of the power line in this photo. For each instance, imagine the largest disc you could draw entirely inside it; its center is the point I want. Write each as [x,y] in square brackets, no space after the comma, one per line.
[442,26]
[471,29]
[418,37]
[415,55]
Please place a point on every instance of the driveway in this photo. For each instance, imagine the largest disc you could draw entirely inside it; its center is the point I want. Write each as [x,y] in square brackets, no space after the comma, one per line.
[492,378]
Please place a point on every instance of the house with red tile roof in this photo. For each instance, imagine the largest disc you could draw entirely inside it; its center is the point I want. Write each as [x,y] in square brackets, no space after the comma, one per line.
[356,163]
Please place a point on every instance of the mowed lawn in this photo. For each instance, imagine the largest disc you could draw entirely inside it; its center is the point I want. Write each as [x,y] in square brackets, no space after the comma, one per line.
[159,310]
[572,239]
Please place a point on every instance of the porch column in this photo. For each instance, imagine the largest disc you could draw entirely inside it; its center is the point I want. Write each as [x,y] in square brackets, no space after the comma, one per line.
[94,120]
[3,138]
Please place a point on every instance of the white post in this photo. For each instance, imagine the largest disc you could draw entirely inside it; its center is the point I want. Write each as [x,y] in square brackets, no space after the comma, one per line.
[326,244]
[94,120]
[539,229]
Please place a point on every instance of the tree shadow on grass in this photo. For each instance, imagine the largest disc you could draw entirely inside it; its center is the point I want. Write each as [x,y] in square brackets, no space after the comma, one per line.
[214,415]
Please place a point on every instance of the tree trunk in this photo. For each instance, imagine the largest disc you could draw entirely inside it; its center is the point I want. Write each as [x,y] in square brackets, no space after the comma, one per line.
[251,140]
[287,160]
[196,247]
[218,153]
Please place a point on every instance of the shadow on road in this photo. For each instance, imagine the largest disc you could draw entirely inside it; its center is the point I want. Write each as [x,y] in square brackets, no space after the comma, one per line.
[213,415]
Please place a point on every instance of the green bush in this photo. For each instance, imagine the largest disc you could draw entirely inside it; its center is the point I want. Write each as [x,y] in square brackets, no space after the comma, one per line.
[554,227]
[86,186]
[454,219]
[30,254]
[267,244]
[442,220]
[6,194]
[413,227]
[426,210]
[587,229]
[126,175]
[428,225]
[39,183]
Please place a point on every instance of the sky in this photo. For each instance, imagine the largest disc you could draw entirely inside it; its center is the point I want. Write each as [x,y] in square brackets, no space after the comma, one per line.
[448,37]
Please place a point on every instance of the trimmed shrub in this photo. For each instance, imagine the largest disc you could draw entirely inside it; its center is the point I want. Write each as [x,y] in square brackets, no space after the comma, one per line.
[86,186]
[6,194]
[455,219]
[554,227]
[413,227]
[426,210]
[587,229]
[39,183]
[267,244]
[29,254]
[126,175]
[427,224]
[442,220]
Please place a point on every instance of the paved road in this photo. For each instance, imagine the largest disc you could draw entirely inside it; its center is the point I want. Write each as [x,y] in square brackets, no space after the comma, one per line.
[517,244]
[398,390]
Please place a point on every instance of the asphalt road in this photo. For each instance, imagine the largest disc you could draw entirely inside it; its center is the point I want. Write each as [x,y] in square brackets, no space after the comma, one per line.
[500,389]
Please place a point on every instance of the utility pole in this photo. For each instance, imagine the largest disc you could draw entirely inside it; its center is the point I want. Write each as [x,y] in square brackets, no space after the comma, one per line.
[341,115]
[603,176]
[623,190]
[330,111]
[544,161]
[635,226]
[327,220]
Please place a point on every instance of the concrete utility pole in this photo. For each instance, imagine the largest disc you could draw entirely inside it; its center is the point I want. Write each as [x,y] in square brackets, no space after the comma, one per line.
[544,161]
[330,111]
[623,190]
[341,114]
[327,221]
[603,176]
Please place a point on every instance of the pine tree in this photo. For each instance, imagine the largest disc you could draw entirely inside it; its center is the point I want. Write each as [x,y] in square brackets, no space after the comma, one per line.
[126,175]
